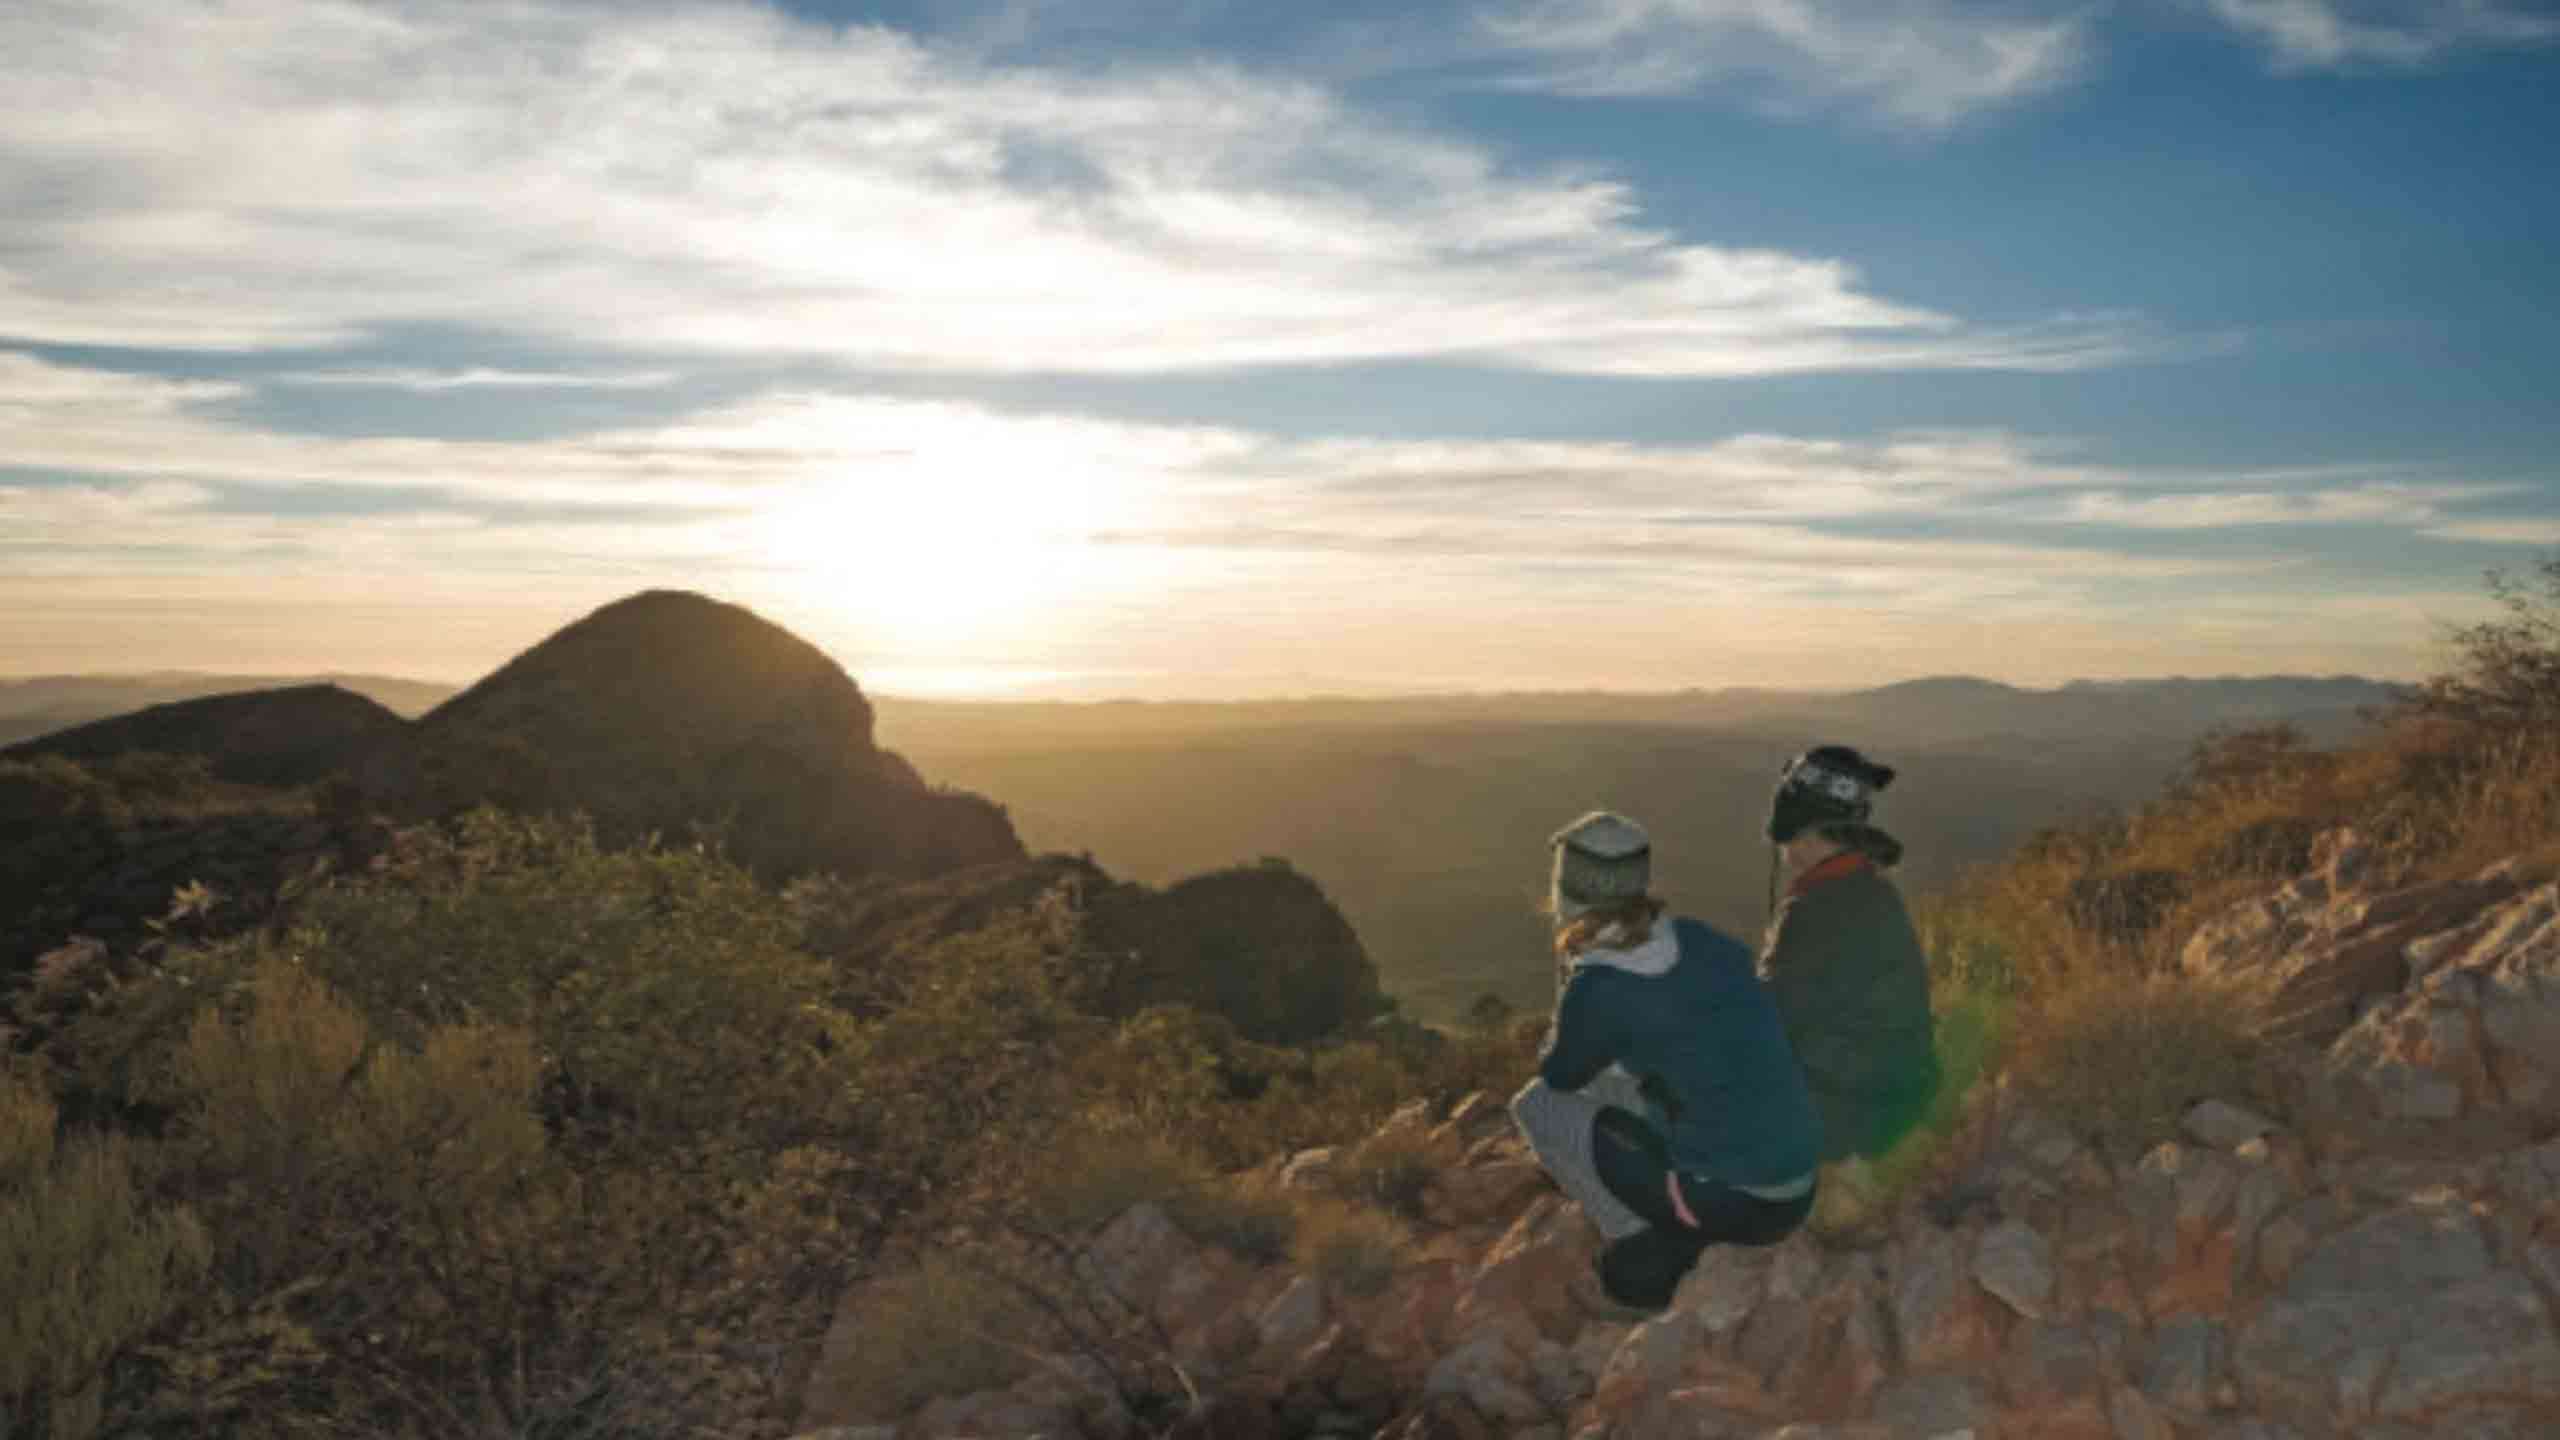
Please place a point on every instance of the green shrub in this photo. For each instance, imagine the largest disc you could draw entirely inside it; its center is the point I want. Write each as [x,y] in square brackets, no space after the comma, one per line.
[664,987]
[89,1268]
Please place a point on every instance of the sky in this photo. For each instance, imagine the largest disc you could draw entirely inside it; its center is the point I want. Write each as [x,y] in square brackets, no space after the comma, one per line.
[1219,348]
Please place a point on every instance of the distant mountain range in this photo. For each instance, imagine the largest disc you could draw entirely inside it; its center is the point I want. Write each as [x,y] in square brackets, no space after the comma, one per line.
[1421,817]
[663,713]
[1425,818]
[1931,711]
[1944,710]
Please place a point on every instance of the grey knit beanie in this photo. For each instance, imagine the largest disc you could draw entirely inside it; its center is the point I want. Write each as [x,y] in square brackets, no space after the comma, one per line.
[1600,858]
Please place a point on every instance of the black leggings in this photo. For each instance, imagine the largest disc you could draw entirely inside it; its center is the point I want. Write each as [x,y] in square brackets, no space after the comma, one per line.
[1635,1163]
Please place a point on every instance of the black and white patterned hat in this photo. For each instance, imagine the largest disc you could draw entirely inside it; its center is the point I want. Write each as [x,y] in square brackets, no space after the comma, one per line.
[1826,784]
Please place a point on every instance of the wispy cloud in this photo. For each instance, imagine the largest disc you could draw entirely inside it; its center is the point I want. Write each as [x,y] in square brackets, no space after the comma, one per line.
[1928,64]
[818,479]
[2408,505]
[720,177]
[473,378]
[1106,545]
[2537,531]
[2333,34]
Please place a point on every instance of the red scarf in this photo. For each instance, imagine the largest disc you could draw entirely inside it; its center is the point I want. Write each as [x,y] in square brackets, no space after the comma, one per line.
[1847,862]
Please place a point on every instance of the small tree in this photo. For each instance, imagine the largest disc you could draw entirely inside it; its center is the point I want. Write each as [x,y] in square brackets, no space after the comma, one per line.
[2506,674]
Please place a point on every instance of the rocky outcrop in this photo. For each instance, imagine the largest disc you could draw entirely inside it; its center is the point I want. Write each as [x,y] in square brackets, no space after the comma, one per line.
[2434,1005]
[1258,944]
[2265,1277]
[2258,1290]
[2325,946]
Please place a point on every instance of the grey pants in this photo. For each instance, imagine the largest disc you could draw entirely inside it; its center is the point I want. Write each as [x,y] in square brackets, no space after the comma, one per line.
[1558,1126]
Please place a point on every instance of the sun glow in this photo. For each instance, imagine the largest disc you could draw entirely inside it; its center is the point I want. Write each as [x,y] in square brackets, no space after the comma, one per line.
[952,535]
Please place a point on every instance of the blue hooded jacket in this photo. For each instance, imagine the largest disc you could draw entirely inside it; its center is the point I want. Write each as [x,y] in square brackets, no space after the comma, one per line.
[1685,1014]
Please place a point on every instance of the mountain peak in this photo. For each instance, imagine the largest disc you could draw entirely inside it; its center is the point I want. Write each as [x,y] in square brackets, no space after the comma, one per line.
[626,660]
[668,709]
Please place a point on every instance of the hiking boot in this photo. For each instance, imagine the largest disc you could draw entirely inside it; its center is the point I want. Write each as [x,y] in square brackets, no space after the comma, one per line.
[1591,1295]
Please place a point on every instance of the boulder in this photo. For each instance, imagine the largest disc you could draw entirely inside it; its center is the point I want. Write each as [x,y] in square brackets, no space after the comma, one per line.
[1937,1322]
[1490,1372]
[2047,1366]
[989,1412]
[1133,1257]
[1445,1417]
[1309,1169]
[2528,1180]
[2186,1365]
[2222,1125]
[2131,1416]
[1935,1407]
[1295,1317]
[1482,1194]
[1726,1284]
[1540,1269]
[1776,1339]
[2397,1316]
[2015,1264]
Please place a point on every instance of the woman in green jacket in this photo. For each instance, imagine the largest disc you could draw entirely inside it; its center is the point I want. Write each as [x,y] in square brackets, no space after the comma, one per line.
[1845,966]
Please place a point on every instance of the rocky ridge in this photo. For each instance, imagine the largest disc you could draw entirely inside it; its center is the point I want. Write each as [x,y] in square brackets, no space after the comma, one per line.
[2383,1263]
[297,735]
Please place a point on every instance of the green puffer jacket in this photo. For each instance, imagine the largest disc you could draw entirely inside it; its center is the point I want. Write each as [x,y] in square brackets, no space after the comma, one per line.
[1852,986]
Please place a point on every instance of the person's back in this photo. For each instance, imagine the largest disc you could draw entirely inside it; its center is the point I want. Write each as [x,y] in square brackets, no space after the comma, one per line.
[1848,973]
[1850,980]
[1667,1104]
[1707,1047]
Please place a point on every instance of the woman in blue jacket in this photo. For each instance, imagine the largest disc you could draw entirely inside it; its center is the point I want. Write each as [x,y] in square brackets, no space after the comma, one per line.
[1668,1104]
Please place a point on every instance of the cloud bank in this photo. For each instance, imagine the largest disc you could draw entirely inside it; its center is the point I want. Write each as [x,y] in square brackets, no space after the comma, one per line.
[723,179]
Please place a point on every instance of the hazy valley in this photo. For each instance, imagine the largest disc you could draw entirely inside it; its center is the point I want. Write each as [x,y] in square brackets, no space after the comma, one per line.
[1424,818]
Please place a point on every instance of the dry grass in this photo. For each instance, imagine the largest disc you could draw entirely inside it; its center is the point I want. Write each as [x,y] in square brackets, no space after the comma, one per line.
[1085,1179]
[1242,1215]
[1390,1172]
[1353,1249]
[2117,1059]
[942,1328]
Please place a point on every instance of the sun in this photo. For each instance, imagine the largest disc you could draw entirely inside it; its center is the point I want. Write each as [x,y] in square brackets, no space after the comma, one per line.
[975,541]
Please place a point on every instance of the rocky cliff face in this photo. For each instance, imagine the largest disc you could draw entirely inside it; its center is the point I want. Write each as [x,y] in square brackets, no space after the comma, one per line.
[2385,1262]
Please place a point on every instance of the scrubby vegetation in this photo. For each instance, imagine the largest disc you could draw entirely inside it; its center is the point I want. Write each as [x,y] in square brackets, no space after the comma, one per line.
[518,1134]
[2061,961]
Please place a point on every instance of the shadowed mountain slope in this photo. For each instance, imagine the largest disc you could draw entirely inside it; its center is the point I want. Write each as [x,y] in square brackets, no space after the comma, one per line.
[33,705]
[672,713]
[287,737]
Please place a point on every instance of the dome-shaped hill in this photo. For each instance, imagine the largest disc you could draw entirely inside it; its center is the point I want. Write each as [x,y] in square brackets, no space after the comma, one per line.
[675,713]
[293,736]
[681,665]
